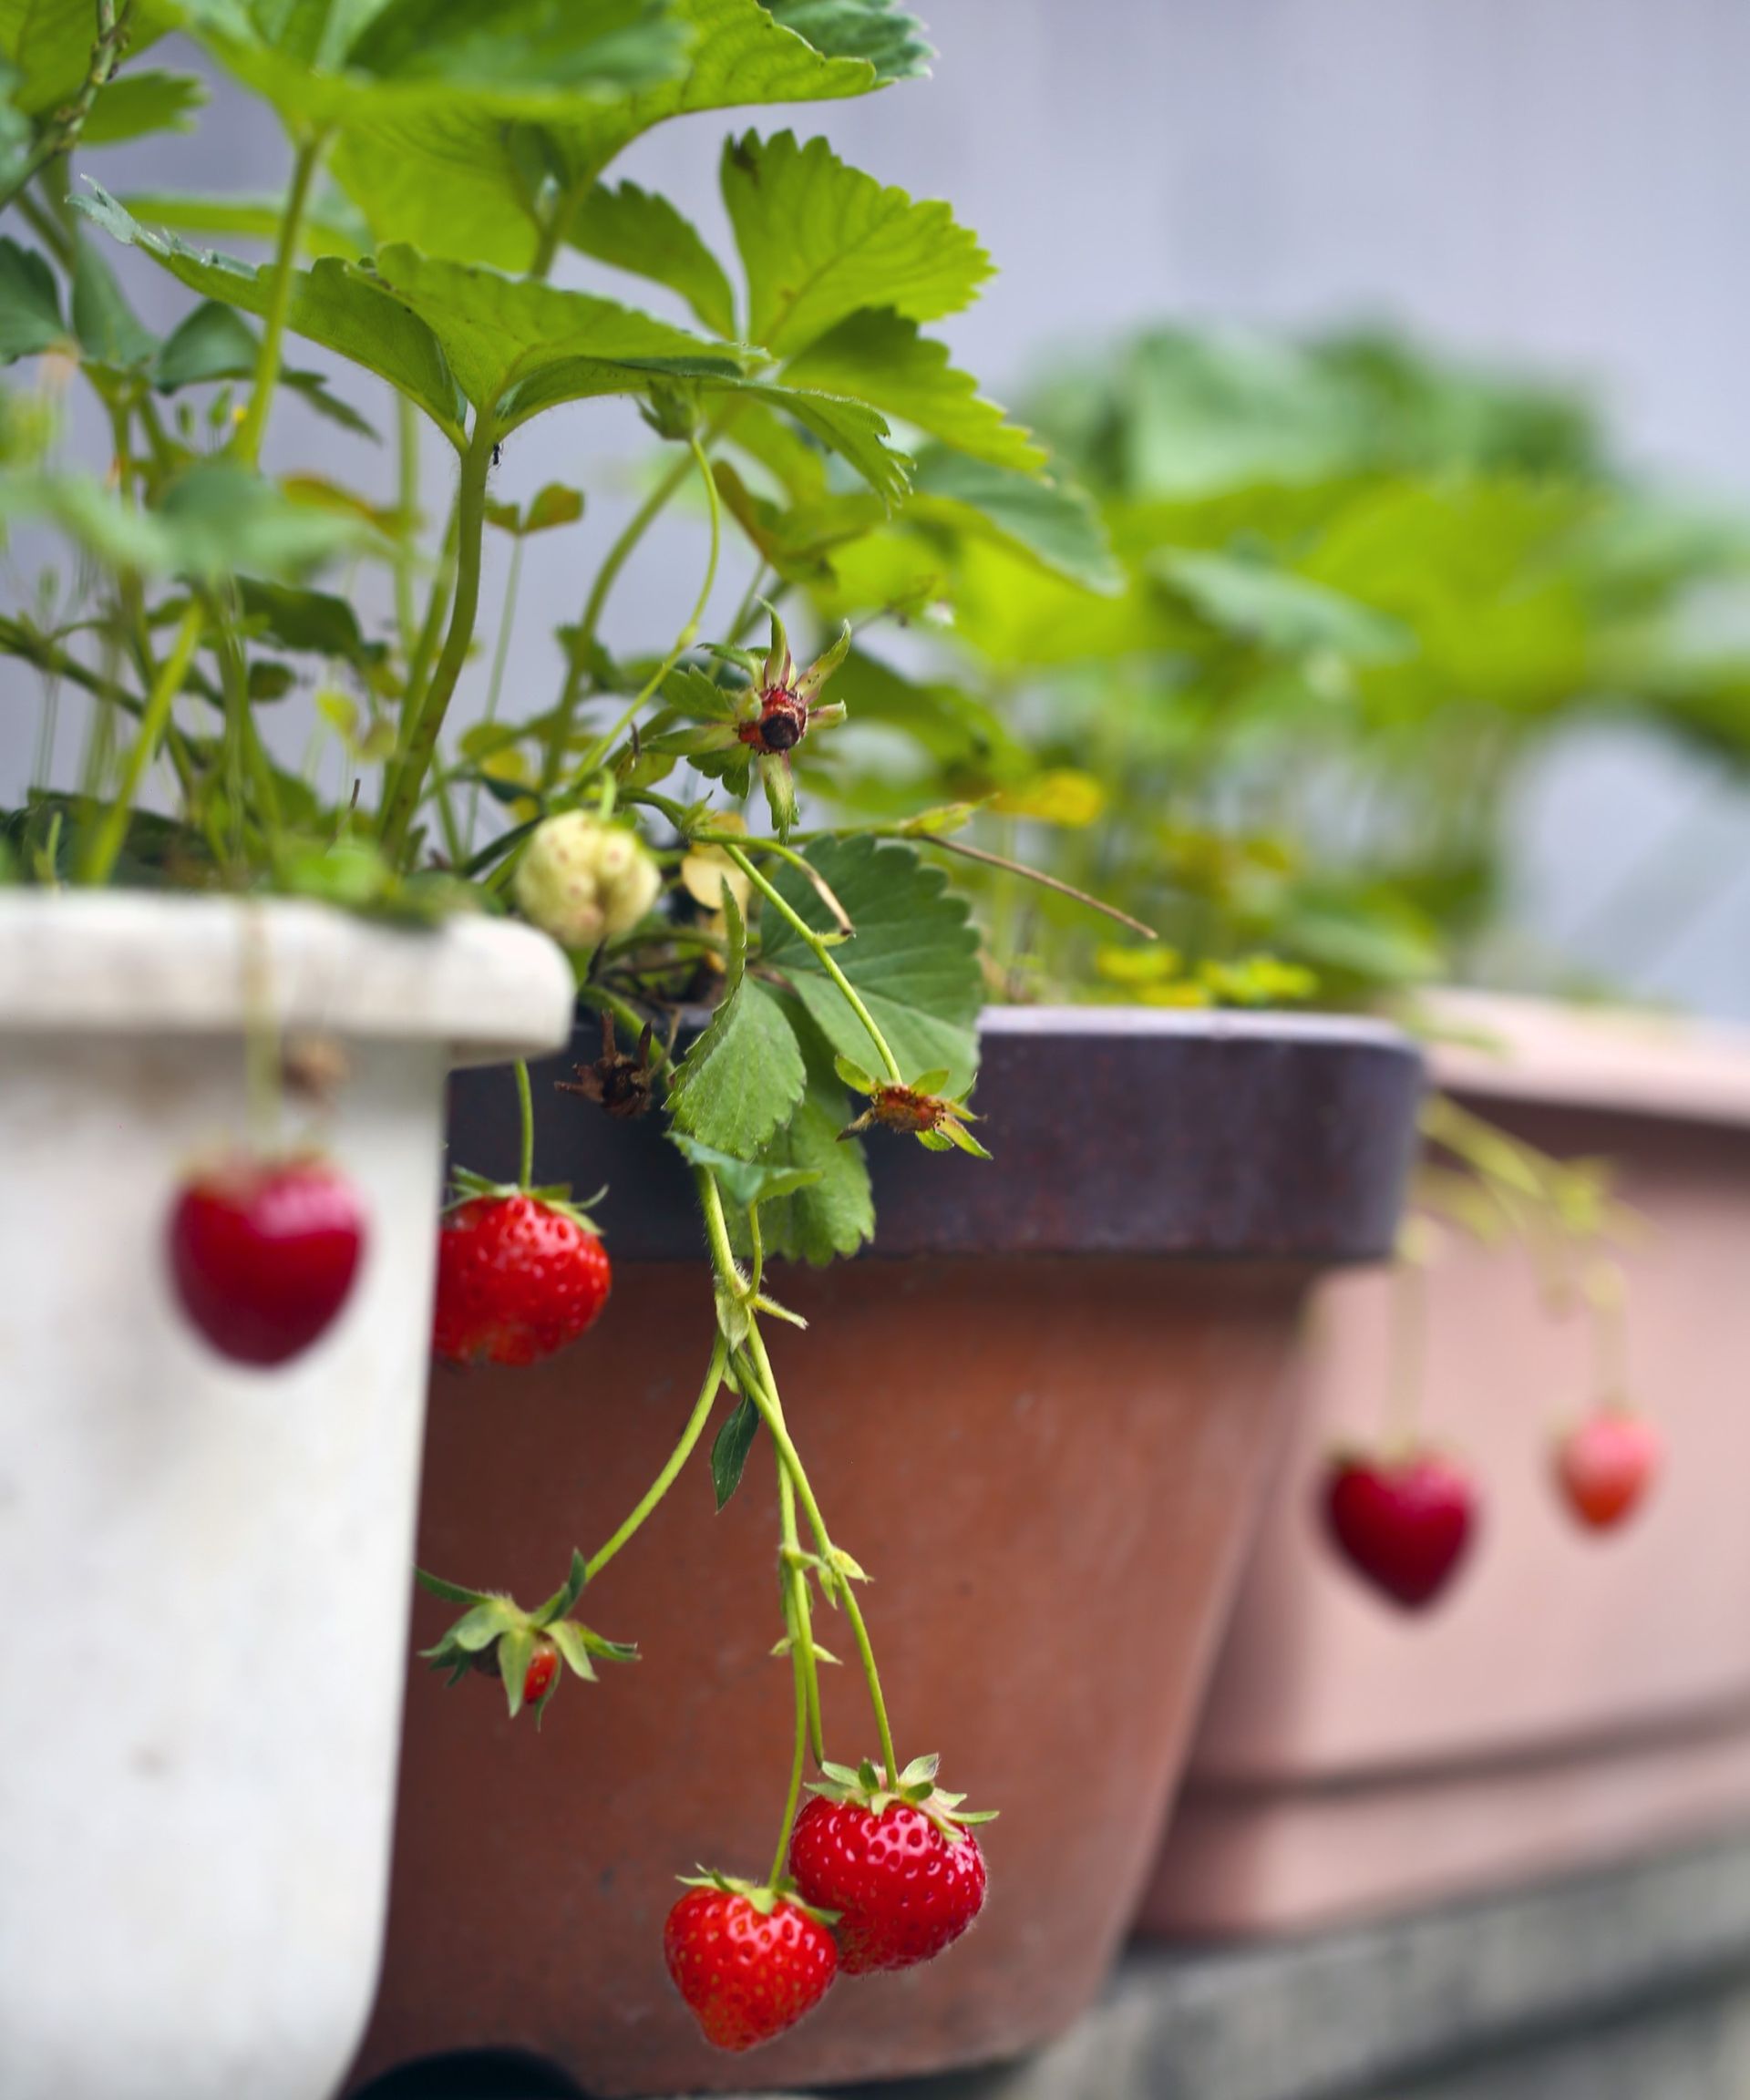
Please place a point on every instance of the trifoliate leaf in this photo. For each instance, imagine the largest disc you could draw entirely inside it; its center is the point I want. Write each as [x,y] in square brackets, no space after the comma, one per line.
[741,1077]
[880,358]
[820,240]
[636,229]
[834,1214]
[913,959]
[1050,523]
[344,308]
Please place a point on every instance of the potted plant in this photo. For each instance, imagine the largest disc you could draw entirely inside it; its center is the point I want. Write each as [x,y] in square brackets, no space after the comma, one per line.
[1481,1743]
[348,932]
[1362,589]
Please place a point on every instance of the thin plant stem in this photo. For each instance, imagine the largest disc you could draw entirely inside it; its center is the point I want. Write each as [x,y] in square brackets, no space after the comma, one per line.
[407,433]
[420,736]
[677,1458]
[683,641]
[617,556]
[526,1105]
[795,1618]
[1409,1348]
[823,955]
[500,656]
[247,448]
[154,717]
[765,1397]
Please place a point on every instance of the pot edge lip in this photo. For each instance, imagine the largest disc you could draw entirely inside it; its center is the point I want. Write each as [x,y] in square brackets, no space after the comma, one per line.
[1619,1060]
[1206,1025]
[121,962]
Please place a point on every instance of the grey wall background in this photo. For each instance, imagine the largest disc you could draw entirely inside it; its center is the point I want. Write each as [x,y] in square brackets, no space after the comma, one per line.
[1562,180]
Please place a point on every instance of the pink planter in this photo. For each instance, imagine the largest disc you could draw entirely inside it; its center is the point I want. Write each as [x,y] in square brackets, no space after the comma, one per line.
[1577,1698]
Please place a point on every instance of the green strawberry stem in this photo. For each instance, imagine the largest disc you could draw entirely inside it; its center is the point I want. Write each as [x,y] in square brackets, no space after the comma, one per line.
[762,1390]
[677,1458]
[823,955]
[260,1039]
[683,641]
[802,1668]
[1408,1354]
[247,447]
[526,1102]
[1605,1295]
[765,1398]
[565,714]
[798,1609]
[154,720]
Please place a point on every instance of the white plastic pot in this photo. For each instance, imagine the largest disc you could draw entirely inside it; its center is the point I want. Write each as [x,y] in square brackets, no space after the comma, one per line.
[204,1569]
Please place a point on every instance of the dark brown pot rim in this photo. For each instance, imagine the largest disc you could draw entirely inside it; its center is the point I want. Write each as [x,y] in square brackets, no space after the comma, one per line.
[1115,1130]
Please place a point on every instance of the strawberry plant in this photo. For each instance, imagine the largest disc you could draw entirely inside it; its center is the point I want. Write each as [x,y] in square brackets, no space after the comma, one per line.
[666,811]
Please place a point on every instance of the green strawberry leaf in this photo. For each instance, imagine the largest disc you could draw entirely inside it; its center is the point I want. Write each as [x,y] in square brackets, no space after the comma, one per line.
[217,520]
[820,240]
[110,331]
[730,1452]
[833,1214]
[879,356]
[30,304]
[445,60]
[1280,611]
[744,1183]
[463,182]
[913,959]
[635,229]
[331,226]
[134,104]
[878,30]
[517,347]
[1052,523]
[344,309]
[48,43]
[743,1077]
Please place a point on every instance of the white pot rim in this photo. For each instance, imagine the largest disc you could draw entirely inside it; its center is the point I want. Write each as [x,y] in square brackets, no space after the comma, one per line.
[133,962]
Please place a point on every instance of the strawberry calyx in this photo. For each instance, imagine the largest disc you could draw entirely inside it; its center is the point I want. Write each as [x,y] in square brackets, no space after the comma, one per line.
[471,1188]
[495,1633]
[915,1786]
[765,1895]
[921,1110]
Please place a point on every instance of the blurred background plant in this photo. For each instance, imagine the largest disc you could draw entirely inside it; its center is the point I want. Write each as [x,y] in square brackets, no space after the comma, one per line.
[1354,589]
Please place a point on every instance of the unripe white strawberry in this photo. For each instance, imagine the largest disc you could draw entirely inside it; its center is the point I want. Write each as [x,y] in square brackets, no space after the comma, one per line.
[583,881]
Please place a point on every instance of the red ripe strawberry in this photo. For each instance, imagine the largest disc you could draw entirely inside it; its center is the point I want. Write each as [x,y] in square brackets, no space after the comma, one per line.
[543,1667]
[1403,1523]
[520,1275]
[750,1962]
[263,1253]
[896,1863]
[1605,1465]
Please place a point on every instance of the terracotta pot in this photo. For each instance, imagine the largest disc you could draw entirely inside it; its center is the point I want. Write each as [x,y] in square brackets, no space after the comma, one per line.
[1578,1696]
[1043,1422]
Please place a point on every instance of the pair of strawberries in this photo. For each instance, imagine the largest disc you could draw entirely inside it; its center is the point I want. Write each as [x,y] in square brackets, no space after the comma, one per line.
[1405,1523]
[264,1253]
[880,1876]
